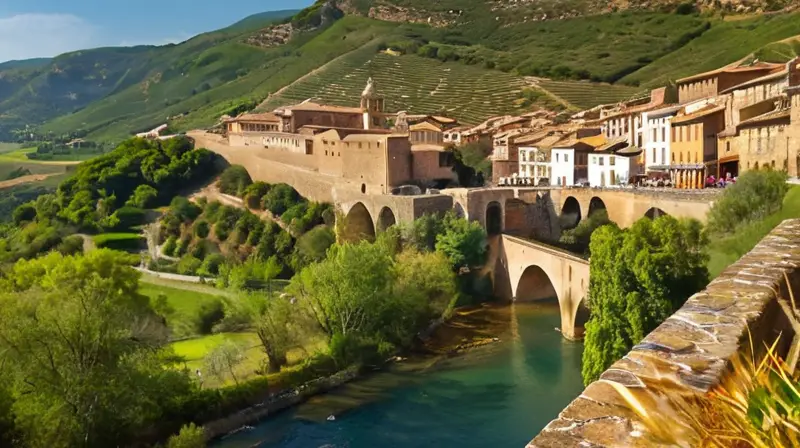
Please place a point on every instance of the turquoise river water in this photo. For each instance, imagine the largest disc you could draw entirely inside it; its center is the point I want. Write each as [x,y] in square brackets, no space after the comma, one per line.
[495,396]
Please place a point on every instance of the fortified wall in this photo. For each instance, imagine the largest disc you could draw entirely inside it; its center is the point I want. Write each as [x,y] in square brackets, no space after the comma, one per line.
[692,350]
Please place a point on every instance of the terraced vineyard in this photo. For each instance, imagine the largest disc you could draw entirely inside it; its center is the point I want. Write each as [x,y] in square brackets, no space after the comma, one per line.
[410,83]
[585,95]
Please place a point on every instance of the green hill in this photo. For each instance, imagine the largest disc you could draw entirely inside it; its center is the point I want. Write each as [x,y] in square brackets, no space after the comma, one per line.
[471,57]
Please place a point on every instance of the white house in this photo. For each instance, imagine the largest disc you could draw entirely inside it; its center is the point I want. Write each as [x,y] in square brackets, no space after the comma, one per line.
[562,162]
[533,164]
[656,131]
[613,163]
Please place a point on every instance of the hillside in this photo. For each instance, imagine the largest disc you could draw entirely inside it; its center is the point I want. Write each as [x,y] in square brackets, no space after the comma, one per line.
[471,57]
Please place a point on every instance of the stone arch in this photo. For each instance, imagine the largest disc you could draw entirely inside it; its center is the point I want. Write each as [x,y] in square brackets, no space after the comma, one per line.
[386,219]
[458,209]
[514,221]
[654,212]
[358,224]
[596,204]
[570,213]
[494,218]
[534,284]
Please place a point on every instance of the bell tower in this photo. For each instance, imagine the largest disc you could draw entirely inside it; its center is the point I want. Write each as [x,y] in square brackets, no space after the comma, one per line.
[372,105]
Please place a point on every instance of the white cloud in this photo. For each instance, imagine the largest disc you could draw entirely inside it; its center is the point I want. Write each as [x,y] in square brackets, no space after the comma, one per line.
[26,36]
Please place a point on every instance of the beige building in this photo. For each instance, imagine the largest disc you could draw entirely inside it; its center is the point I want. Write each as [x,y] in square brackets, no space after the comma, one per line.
[713,83]
[693,148]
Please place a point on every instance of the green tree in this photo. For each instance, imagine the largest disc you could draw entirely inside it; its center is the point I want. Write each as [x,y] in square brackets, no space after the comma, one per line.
[280,198]
[577,239]
[312,246]
[81,351]
[144,196]
[463,242]
[254,192]
[184,209]
[234,180]
[342,292]
[638,278]
[201,229]
[23,213]
[755,194]
[472,164]
[224,360]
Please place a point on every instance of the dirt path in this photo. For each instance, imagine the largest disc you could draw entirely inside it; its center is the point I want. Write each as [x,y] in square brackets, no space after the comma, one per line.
[310,74]
[25,179]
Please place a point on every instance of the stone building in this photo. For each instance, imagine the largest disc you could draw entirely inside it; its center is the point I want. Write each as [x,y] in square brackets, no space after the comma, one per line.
[349,146]
[713,83]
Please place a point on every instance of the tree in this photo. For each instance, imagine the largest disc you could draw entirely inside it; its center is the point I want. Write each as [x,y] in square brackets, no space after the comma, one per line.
[343,292]
[234,180]
[184,209]
[254,192]
[472,164]
[312,246]
[271,320]
[463,242]
[755,194]
[638,278]
[223,361]
[191,436]
[577,239]
[280,198]
[201,229]
[81,351]
[144,196]
[23,213]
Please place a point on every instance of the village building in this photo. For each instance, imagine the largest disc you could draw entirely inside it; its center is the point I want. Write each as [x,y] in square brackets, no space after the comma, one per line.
[693,147]
[713,83]
[657,135]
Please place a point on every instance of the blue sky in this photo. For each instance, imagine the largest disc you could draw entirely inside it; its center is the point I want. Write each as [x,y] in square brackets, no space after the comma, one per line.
[44,28]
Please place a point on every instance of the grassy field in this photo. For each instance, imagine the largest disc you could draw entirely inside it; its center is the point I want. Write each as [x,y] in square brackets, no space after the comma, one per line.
[725,252]
[724,43]
[125,241]
[585,95]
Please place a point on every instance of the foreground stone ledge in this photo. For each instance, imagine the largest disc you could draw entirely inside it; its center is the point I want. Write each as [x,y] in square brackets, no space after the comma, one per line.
[690,352]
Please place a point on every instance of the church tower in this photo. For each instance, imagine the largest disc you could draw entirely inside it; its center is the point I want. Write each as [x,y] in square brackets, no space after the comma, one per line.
[372,104]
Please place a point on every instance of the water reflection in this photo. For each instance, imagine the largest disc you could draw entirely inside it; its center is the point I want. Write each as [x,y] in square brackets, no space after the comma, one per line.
[500,395]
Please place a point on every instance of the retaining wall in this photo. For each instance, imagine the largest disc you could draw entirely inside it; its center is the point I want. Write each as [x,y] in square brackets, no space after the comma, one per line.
[692,350]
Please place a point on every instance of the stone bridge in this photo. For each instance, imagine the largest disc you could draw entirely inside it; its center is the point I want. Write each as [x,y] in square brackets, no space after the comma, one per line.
[528,271]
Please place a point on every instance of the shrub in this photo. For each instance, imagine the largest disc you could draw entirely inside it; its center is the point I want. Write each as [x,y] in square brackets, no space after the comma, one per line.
[144,196]
[184,209]
[201,229]
[210,266]
[210,313]
[755,195]
[169,246]
[234,180]
[280,198]
[199,249]
[191,436]
[126,242]
[188,265]
[254,192]
[222,231]
[129,217]
[182,247]
[23,213]
[70,245]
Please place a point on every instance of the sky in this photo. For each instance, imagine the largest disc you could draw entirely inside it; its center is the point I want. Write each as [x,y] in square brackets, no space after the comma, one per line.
[46,28]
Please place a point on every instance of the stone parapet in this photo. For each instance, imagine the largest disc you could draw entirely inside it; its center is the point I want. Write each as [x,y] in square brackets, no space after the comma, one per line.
[692,350]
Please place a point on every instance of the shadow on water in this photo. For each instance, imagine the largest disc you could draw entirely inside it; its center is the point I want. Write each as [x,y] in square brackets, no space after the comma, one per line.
[500,394]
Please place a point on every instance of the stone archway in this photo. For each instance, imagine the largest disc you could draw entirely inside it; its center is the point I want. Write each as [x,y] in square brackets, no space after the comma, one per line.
[570,213]
[596,204]
[358,224]
[494,218]
[534,284]
[458,209]
[655,212]
[386,219]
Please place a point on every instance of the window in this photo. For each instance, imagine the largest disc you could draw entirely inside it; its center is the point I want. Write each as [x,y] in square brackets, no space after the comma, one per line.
[359,145]
[663,134]
[602,161]
[727,146]
[654,156]
[326,152]
[379,144]
[556,157]
[445,159]
[612,160]
[566,158]
[663,155]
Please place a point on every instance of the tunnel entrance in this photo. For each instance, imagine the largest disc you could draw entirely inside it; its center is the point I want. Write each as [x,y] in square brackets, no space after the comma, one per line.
[596,204]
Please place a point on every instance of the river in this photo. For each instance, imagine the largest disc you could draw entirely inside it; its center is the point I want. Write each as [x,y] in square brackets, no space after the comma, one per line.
[500,395]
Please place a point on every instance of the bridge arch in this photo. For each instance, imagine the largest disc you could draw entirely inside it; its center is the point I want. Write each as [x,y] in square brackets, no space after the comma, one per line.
[534,284]
[654,212]
[596,204]
[458,209]
[386,219]
[358,224]
[570,213]
[494,218]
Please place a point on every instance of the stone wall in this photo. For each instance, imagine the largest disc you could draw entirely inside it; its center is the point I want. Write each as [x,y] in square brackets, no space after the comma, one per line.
[691,351]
